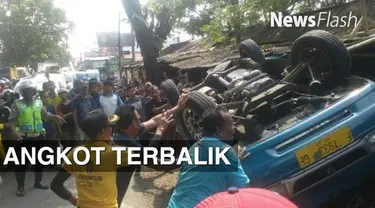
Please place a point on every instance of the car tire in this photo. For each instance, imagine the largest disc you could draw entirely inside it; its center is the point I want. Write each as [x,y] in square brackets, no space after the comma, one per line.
[170,91]
[250,49]
[330,46]
[198,103]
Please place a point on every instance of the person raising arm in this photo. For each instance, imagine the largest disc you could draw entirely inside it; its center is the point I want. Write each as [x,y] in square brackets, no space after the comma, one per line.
[153,122]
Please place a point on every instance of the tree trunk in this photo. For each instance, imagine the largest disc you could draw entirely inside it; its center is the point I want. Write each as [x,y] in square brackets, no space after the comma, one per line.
[144,37]
[237,26]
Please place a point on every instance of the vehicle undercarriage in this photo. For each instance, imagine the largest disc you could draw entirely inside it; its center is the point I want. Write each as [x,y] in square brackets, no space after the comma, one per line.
[263,101]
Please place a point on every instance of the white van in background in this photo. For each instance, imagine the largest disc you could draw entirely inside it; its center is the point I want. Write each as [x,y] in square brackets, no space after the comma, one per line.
[92,73]
[70,76]
[88,74]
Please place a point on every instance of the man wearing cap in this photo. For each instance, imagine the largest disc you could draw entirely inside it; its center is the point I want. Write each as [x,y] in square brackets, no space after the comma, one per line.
[82,105]
[197,182]
[109,100]
[96,184]
[27,115]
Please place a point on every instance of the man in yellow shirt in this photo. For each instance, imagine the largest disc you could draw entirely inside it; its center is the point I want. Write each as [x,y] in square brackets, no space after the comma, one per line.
[53,98]
[96,184]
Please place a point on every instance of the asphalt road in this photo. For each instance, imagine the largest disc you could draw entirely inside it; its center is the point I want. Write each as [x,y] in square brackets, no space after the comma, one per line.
[34,198]
[150,190]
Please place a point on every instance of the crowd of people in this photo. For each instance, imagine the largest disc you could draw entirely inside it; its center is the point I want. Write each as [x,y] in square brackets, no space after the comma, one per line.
[103,114]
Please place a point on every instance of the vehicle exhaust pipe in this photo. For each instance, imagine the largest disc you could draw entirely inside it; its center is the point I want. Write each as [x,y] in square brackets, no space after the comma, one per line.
[357,46]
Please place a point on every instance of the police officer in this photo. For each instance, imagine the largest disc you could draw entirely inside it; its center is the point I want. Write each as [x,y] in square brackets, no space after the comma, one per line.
[27,114]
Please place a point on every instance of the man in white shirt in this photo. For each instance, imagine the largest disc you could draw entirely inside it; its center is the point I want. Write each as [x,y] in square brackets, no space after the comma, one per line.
[109,100]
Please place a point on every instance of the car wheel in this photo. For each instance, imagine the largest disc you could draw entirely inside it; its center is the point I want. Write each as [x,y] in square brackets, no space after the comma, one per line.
[250,49]
[331,61]
[190,119]
[170,91]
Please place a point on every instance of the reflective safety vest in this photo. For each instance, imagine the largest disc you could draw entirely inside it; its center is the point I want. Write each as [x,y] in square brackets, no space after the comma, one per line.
[30,117]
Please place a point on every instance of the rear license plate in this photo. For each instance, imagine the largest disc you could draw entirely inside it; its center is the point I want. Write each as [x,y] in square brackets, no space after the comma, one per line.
[324,147]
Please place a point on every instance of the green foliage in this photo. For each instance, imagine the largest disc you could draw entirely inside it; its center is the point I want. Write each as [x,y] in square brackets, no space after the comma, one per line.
[35,31]
[215,18]
[268,6]
[214,31]
[221,19]
[231,18]
[163,15]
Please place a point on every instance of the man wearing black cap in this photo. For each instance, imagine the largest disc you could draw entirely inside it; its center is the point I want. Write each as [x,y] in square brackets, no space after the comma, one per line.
[109,100]
[96,184]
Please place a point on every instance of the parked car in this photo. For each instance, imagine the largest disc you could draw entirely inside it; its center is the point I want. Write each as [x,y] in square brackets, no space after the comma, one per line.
[310,129]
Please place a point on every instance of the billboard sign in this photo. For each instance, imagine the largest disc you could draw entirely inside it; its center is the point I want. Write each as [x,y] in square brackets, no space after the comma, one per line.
[110,39]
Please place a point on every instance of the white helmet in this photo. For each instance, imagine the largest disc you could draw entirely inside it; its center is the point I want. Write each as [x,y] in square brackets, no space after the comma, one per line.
[7,91]
[5,80]
[24,84]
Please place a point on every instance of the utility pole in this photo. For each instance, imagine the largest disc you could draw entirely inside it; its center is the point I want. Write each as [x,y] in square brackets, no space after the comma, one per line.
[119,42]
[133,44]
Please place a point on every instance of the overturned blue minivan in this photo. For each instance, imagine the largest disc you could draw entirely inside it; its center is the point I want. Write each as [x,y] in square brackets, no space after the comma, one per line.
[305,113]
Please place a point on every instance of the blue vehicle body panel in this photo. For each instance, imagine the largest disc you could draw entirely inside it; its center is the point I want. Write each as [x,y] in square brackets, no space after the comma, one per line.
[273,160]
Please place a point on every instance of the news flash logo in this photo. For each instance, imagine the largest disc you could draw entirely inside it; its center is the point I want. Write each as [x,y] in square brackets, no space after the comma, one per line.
[216,156]
[278,20]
